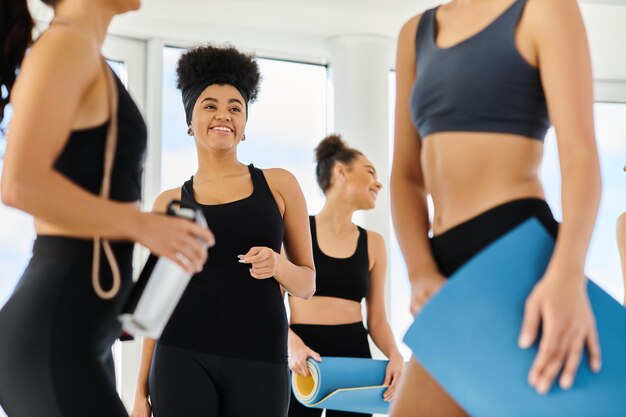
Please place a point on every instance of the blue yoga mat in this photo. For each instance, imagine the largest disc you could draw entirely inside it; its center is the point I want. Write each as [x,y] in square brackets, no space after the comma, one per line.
[466,337]
[344,384]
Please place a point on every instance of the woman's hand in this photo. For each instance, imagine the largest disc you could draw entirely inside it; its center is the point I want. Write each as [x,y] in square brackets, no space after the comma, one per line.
[142,408]
[559,303]
[392,376]
[263,262]
[181,240]
[423,288]
[298,355]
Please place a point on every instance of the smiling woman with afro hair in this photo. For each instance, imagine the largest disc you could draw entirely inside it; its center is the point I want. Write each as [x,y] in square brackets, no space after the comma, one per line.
[227,339]
[206,65]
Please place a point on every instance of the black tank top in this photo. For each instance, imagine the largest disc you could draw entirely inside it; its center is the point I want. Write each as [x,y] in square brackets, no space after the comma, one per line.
[225,311]
[347,278]
[82,159]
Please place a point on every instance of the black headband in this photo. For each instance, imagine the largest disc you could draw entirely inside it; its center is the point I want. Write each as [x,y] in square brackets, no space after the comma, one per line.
[191,91]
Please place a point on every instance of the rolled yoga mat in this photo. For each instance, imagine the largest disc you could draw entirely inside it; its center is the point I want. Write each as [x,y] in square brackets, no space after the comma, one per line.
[466,337]
[344,384]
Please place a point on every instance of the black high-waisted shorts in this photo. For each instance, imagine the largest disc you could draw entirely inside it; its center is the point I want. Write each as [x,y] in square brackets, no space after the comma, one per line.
[455,246]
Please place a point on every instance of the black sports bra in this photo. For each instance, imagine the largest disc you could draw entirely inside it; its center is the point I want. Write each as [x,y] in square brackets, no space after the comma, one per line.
[347,278]
[82,159]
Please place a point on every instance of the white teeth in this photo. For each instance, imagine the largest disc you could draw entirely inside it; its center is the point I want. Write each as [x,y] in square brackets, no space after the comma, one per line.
[222,129]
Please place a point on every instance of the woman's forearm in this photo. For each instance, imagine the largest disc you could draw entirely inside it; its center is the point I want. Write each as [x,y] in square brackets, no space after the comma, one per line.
[48,198]
[298,280]
[581,189]
[292,338]
[383,337]
[411,224]
[147,352]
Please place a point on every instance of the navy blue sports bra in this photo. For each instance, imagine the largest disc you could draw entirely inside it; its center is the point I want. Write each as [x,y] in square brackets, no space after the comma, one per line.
[347,278]
[481,84]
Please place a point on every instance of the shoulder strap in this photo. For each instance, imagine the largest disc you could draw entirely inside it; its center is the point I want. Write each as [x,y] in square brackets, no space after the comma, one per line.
[186,193]
[105,189]
[424,29]
[362,237]
[313,229]
[259,182]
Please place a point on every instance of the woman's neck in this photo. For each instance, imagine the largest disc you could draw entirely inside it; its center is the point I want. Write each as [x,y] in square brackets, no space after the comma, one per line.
[90,18]
[214,166]
[336,215]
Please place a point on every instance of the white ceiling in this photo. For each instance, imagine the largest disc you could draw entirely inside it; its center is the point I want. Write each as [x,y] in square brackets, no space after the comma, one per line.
[299,28]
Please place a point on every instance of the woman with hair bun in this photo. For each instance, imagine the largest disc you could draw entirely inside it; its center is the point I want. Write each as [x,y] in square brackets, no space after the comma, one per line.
[351,265]
[224,351]
[74,161]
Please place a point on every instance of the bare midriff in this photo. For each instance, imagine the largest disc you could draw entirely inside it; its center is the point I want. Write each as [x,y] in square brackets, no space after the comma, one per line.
[467,173]
[324,310]
[43,228]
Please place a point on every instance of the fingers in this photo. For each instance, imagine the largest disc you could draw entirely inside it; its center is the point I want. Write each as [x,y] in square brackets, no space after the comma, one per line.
[193,251]
[299,363]
[189,259]
[179,259]
[387,380]
[262,273]
[593,345]
[415,308]
[417,303]
[422,294]
[252,253]
[313,354]
[184,247]
[299,367]
[262,261]
[572,362]
[203,234]
[257,255]
[550,358]
[305,368]
[530,324]
[192,241]
[393,387]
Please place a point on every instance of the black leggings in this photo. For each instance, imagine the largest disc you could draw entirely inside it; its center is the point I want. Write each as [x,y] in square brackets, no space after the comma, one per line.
[458,245]
[56,334]
[343,340]
[188,383]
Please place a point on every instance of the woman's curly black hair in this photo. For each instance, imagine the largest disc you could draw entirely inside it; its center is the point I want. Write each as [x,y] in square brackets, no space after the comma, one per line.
[207,60]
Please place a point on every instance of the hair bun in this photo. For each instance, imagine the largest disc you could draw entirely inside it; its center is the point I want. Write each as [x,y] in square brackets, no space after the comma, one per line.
[331,145]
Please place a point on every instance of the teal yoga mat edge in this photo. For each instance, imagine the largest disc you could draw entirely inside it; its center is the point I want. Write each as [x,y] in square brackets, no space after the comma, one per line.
[337,400]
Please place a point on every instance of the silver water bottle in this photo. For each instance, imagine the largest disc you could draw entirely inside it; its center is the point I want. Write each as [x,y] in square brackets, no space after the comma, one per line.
[159,288]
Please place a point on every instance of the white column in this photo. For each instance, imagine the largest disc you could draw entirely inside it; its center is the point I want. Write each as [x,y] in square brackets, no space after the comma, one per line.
[359,69]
